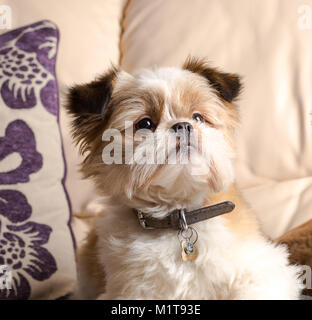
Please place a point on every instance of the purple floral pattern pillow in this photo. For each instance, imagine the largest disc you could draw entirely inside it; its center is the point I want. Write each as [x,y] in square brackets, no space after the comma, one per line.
[21,245]
[27,67]
[28,125]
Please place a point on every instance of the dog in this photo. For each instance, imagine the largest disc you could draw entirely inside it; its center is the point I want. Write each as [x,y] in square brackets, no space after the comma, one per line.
[224,257]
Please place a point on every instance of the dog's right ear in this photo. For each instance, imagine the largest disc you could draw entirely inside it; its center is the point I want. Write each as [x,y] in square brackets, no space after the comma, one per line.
[226,85]
[88,103]
[93,97]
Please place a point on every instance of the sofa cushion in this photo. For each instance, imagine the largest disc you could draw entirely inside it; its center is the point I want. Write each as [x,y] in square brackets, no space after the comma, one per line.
[89,43]
[36,243]
[267,42]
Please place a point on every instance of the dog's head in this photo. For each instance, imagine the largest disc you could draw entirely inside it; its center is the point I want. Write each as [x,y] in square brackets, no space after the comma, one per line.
[161,138]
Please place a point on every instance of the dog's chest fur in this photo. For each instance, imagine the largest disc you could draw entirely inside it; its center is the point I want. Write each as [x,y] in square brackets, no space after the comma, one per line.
[147,263]
[121,260]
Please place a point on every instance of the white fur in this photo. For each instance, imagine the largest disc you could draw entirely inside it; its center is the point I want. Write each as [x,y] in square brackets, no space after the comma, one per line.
[147,264]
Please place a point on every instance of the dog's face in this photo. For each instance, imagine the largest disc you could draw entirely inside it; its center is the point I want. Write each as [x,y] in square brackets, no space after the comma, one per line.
[170,130]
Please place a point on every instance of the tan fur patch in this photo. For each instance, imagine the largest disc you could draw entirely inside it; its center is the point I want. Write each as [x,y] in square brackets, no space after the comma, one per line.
[87,259]
[241,221]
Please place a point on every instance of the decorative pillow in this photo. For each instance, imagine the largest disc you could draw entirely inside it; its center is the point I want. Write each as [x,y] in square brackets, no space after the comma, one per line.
[36,242]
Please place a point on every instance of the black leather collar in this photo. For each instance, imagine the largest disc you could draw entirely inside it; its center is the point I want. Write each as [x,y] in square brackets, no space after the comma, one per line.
[173,219]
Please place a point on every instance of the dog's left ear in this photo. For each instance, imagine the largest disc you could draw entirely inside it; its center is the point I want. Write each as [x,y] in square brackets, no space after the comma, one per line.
[227,85]
[93,97]
[88,104]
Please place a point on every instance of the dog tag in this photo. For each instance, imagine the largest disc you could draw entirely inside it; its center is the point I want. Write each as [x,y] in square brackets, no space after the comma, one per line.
[189,250]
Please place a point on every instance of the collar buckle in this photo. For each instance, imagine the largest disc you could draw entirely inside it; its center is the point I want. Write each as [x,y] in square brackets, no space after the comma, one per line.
[142,220]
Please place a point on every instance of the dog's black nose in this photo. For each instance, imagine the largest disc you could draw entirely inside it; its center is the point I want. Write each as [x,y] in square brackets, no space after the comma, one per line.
[182,126]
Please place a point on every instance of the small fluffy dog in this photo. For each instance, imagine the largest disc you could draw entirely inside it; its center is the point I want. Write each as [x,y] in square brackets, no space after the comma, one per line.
[123,260]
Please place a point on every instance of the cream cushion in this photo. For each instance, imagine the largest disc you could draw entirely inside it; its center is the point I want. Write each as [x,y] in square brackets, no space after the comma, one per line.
[268,42]
[89,43]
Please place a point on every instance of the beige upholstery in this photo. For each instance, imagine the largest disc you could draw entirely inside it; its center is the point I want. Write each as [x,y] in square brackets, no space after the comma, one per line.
[265,42]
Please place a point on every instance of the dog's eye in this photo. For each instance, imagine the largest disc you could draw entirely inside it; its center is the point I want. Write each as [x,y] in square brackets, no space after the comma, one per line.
[198,117]
[145,123]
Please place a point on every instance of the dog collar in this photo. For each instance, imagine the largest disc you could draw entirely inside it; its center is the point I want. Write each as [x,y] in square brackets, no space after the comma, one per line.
[179,219]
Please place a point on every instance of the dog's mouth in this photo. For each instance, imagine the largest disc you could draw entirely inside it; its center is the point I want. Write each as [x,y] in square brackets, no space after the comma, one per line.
[184,149]
[187,146]
[182,152]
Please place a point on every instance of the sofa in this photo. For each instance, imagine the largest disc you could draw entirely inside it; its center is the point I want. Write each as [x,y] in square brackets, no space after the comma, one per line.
[267,42]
